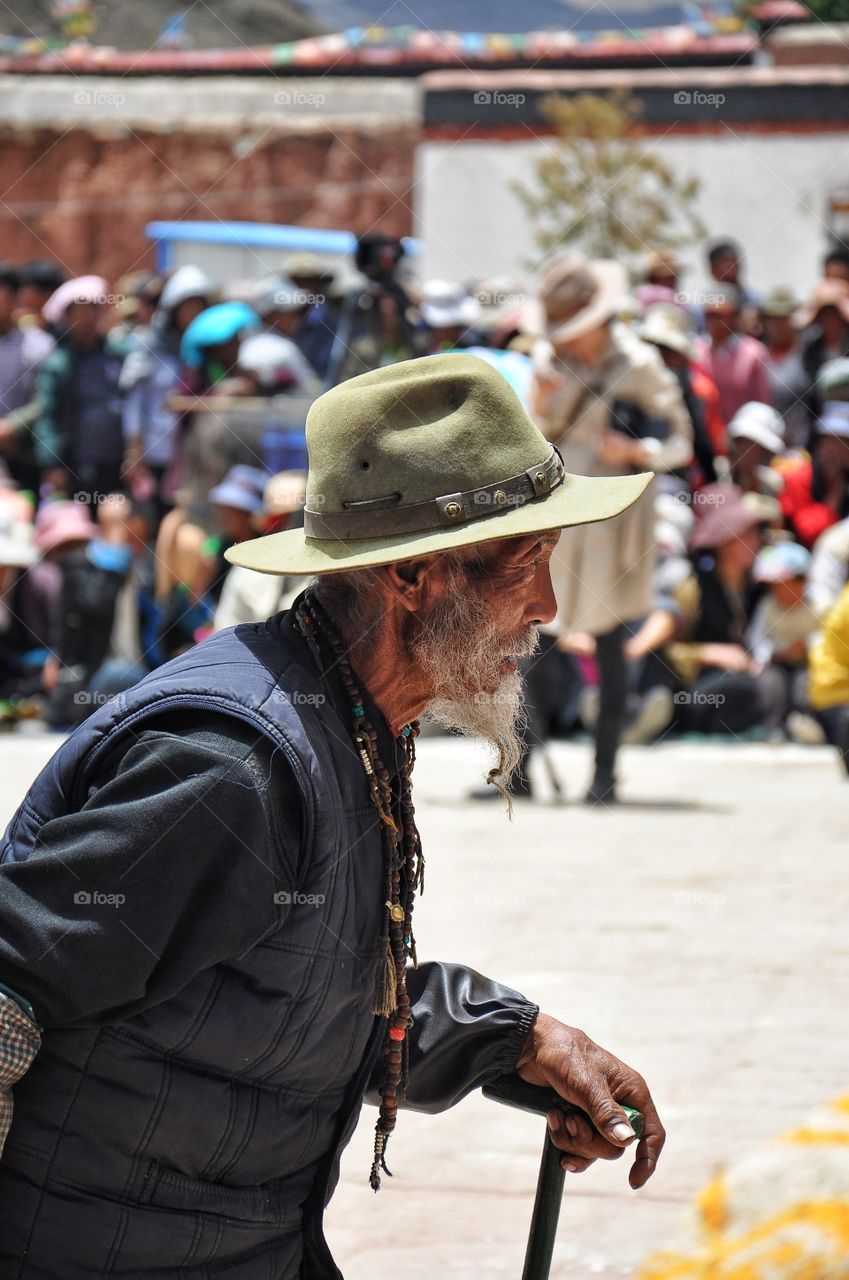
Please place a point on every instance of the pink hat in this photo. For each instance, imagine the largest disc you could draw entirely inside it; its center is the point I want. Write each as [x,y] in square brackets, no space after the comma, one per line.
[60,522]
[653,295]
[83,289]
[828,293]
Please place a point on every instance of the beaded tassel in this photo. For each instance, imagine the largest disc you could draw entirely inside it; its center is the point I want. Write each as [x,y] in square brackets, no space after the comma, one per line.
[403,861]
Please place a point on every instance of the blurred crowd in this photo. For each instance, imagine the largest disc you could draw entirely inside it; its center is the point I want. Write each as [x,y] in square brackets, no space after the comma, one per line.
[149,424]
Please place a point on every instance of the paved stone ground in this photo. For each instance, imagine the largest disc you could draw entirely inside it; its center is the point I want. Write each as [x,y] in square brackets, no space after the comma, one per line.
[699,932]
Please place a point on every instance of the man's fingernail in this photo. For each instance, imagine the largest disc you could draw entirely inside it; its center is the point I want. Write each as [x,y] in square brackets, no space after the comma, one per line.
[572,1126]
[555,1121]
[570,1168]
[622,1132]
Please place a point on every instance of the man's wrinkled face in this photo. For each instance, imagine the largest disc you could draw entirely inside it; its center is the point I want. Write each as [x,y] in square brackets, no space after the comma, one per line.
[485,619]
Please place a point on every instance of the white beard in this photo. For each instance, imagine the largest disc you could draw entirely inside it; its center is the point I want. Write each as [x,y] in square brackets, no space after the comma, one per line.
[460,651]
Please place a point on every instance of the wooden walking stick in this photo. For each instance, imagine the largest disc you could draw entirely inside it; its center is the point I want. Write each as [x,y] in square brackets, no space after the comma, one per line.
[516,1092]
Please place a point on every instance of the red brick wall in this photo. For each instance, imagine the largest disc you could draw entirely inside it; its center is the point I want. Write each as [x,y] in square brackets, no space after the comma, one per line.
[85,199]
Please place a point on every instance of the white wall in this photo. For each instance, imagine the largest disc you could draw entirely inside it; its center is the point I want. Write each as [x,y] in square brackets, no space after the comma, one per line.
[768,191]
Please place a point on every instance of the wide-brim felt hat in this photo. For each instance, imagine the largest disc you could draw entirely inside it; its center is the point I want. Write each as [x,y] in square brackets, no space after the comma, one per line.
[828,293]
[577,295]
[422,457]
[664,325]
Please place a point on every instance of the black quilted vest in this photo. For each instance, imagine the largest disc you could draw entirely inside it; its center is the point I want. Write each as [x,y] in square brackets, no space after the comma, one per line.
[201,1138]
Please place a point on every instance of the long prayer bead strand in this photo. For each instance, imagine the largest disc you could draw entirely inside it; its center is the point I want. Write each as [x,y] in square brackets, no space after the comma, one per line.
[402,860]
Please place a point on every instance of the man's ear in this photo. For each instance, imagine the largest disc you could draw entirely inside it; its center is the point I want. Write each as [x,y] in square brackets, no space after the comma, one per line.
[410,581]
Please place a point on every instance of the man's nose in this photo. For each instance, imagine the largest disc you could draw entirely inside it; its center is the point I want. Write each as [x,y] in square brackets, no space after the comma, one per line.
[542,605]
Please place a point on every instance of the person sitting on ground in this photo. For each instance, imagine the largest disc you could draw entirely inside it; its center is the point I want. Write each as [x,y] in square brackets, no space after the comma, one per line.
[91,573]
[717,688]
[829,570]
[247,596]
[652,680]
[755,441]
[17,555]
[125,523]
[815,493]
[828,676]
[782,627]
[190,548]
[237,508]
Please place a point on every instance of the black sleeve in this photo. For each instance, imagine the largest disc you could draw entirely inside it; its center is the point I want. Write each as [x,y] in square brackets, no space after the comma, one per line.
[467,1030]
[167,869]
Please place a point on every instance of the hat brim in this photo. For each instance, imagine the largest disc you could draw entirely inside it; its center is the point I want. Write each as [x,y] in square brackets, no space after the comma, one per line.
[807,315]
[678,343]
[578,500]
[15,554]
[460,315]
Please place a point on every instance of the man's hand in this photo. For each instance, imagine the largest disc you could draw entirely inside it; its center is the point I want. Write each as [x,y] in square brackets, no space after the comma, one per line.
[618,450]
[729,657]
[8,436]
[585,1074]
[581,643]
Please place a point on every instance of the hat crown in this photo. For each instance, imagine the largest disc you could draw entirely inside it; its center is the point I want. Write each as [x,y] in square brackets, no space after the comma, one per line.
[756,414]
[416,431]
[780,301]
[568,287]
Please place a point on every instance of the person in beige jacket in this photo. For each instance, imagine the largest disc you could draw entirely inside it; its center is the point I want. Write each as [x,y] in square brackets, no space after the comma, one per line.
[608,402]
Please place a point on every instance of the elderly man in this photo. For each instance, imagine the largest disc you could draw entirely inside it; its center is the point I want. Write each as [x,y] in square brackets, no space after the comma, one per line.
[206,895]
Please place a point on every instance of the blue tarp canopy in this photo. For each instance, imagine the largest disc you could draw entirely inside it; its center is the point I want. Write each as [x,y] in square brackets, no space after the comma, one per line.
[498,15]
[254,235]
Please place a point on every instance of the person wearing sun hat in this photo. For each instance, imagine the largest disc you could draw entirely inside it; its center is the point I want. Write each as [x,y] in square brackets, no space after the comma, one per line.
[450,312]
[605,398]
[755,441]
[77,433]
[789,382]
[250,802]
[248,596]
[783,625]
[825,320]
[150,374]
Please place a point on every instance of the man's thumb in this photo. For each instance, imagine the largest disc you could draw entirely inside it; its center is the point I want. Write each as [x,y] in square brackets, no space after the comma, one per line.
[611,1120]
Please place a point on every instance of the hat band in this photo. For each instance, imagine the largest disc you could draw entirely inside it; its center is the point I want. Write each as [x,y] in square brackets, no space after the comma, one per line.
[363,521]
